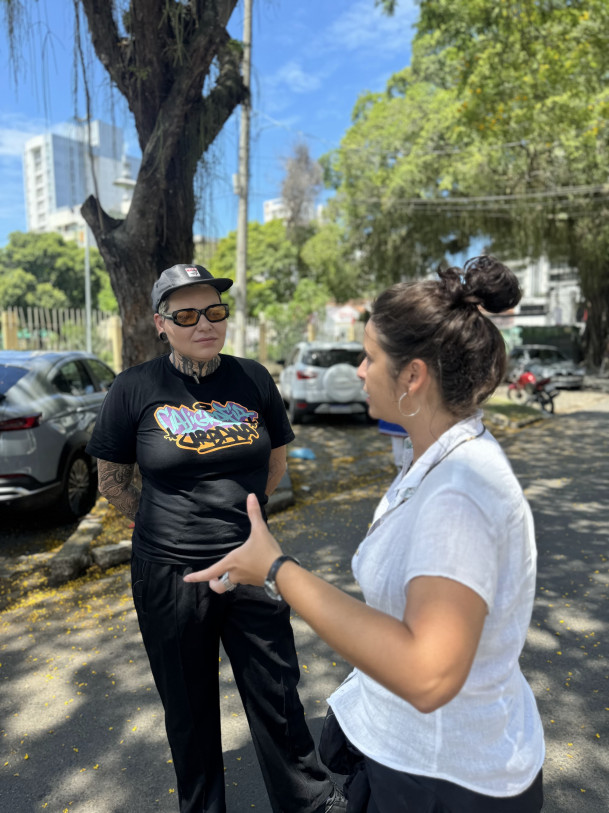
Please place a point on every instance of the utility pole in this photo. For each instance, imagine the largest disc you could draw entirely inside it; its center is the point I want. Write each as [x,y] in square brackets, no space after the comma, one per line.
[87,292]
[240,290]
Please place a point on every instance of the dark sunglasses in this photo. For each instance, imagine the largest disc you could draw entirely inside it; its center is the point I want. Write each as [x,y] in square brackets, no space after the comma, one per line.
[189,317]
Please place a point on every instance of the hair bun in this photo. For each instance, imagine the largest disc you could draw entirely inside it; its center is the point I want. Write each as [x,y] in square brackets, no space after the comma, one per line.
[489,283]
[453,285]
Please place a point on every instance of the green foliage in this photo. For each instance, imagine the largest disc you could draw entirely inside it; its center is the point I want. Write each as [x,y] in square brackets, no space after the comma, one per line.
[46,296]
[106,301]
[15,285]
[328,262]
[277,267]
[272,264]
[47,271]
[204,251]
[290,319]
[388,6]
[20,288]
[498,129]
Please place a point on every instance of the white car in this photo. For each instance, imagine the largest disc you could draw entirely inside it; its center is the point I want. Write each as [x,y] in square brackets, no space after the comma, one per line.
[320,378]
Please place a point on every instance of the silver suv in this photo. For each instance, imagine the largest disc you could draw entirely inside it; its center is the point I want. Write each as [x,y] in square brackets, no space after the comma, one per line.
[320,378]
[48,405]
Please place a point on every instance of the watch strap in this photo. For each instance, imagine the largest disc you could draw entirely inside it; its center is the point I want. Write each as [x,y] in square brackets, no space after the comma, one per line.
[270,584]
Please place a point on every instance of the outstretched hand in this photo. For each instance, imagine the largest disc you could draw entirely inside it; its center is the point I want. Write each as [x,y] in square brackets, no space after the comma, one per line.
[248,564]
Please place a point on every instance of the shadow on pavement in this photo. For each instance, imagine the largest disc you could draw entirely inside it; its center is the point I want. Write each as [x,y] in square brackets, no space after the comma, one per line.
[82,724]
[563,467]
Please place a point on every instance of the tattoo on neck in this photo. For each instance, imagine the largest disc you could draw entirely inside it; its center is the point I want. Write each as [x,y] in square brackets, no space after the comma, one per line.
[197,369]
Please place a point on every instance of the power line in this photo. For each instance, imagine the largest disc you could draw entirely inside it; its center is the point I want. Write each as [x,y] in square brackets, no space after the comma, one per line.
[562,191]
[547,194]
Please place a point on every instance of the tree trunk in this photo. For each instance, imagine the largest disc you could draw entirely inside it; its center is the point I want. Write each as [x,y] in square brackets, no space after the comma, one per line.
[590,253]
[596,333]
[161,67]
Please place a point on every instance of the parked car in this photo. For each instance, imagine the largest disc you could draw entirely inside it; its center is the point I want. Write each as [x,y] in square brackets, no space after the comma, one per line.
[320,378]
[553,362]
[48,405]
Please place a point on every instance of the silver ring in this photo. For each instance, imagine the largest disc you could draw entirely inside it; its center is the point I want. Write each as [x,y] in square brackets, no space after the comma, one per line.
[227,583]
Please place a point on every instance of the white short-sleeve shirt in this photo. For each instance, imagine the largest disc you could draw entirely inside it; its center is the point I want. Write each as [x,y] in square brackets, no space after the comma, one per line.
[460,513]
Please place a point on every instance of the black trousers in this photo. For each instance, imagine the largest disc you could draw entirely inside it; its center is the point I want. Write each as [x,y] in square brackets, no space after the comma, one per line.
[373,788]
[396,792]
[182,625]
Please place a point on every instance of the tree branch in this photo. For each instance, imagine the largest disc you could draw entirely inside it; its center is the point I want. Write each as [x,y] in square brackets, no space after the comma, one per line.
[180,103]
[228,92]
[105,39]
[100,221]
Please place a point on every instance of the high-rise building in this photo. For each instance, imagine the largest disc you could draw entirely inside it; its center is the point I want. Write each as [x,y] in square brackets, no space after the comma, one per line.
[276,209]
[65,165]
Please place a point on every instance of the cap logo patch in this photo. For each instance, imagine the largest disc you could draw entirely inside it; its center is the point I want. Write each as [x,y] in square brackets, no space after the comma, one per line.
[192,272]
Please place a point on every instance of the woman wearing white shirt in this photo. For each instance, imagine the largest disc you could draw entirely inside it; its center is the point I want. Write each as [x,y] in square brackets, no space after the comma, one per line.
[437,705]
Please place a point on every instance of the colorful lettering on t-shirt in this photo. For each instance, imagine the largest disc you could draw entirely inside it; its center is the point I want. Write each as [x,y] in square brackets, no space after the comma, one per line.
[208,427]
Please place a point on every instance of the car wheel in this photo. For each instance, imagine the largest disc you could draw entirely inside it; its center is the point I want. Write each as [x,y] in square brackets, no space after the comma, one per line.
[294,414]
[79,487]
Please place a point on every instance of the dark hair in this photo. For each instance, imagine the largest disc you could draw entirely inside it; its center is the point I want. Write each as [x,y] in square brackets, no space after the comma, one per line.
[440,322]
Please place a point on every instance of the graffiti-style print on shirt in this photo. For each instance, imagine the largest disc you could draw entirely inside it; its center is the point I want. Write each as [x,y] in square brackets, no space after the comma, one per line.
[208,427]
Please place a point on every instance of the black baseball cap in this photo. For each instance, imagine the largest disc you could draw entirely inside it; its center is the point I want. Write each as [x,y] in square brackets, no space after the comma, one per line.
[181,275]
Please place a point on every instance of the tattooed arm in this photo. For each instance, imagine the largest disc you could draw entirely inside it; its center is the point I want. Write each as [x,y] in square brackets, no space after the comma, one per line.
[116,485]
[277,467]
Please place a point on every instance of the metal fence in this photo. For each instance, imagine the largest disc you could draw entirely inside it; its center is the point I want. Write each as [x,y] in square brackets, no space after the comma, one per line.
[56,329]
[65,329]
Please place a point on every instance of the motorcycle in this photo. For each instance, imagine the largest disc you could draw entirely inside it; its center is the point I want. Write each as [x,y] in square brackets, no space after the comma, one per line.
[533,388]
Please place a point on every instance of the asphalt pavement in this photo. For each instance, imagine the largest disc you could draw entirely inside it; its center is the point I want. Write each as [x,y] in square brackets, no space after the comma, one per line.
[82,726]
[563,465]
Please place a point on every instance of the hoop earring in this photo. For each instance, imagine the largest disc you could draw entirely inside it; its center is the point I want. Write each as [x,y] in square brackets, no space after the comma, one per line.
[163,336]
[404,414]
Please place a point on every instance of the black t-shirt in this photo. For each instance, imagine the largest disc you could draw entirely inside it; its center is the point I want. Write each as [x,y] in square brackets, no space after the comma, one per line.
[201,449]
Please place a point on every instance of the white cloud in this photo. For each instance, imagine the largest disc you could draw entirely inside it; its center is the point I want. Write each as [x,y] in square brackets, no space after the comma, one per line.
[291,77]
[365,28]
[277,90]
[297,79]
[12,141]
[15,130]
[325,59]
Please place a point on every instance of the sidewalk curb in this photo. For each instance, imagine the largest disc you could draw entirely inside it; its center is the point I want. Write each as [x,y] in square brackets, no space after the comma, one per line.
[282,497]
[74,556]
[501,421]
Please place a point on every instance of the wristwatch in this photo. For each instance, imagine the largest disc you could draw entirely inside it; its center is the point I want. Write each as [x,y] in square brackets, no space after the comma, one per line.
[270,585]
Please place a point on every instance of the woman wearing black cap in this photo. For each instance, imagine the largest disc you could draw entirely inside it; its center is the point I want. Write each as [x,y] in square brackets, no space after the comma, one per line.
[206,429]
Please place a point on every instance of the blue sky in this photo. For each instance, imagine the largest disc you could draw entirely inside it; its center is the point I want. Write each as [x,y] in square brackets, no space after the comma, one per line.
[310,62]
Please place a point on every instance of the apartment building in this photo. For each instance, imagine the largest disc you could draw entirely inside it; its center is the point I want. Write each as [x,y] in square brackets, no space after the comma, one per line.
[551,295]
[65,165]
